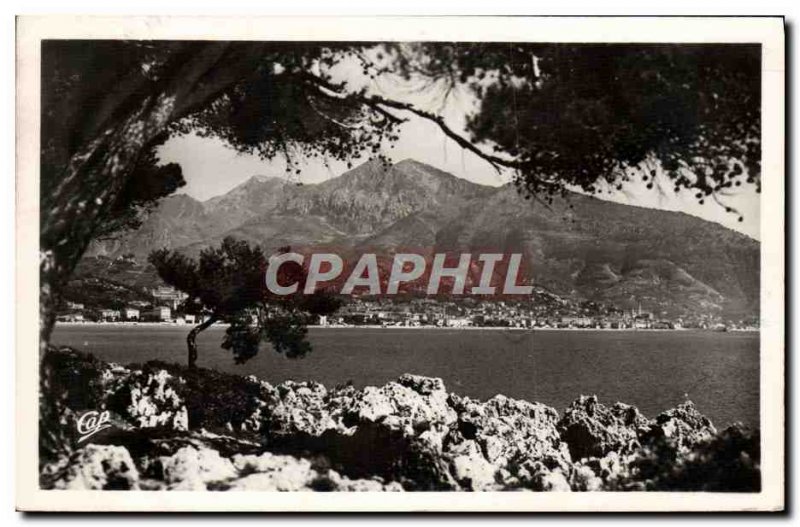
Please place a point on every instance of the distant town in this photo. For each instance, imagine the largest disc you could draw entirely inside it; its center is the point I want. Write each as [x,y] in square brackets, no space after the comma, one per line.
[544,311]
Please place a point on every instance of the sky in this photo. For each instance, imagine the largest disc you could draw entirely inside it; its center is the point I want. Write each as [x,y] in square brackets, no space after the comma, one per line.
[211,168]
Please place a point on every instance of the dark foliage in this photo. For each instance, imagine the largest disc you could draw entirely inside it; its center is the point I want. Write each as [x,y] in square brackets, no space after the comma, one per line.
[282,110]
[76,376]
[150,182]
[596,115]
[68,381]
[227,284]
[108,105]
[270,108]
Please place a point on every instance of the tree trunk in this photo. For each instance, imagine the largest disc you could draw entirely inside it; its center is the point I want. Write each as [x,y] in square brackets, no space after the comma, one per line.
[191,340]
[96,172]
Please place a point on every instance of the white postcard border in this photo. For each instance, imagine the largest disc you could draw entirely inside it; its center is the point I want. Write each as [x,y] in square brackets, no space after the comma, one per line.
[768,31]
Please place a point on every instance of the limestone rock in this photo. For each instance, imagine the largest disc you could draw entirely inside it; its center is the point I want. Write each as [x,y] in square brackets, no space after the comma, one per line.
[591,429]
[552,482]
[534,475]
[99,467]
[683,425]
[154,401]
[415,405]
[511,430]
[193,469]
[470,469]
[423,385]
[410,434]
[270,472]
[273,472]
[583,478]
[300,407]
[394,431]
[344,484]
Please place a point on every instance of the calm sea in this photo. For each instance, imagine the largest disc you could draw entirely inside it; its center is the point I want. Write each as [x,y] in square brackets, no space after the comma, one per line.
[654,370]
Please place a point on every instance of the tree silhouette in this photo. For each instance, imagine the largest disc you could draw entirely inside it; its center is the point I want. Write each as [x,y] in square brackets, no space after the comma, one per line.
[596,115]
[106,105]
[227,284]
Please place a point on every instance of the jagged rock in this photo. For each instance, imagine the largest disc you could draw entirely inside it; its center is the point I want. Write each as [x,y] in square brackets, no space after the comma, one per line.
[583,478]
[608,468]
[618,444]
[728,461]
[554,481]
[344,484]
[591,429]
[193,469]
[376,449]
[394,431]
[511,430]
[287,473]
[683,425]
[516,445]
[423,385]
[154,401]
[98,467]
[299,407]
[410,433]
[470,469]
[254,421]
[534,475]
[373,404]
[418,406]
[271,472]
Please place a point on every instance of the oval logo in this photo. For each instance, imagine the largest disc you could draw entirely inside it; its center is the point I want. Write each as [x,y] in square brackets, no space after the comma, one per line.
[92,422]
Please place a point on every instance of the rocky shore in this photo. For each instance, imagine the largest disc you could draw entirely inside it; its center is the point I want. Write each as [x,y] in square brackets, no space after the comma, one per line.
[174,428]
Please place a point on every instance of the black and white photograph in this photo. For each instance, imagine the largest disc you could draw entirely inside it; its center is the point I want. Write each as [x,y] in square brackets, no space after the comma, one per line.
[445,268]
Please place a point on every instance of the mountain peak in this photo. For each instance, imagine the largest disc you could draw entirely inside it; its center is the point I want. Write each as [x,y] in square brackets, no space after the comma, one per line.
[411,162]
[179,199]
[595,250]
[261,178]
[253,183]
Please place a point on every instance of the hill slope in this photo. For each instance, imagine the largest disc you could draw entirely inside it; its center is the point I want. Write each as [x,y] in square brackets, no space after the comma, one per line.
[581,247]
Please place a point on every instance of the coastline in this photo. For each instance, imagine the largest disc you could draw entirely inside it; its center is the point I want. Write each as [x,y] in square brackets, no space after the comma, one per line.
[373,326]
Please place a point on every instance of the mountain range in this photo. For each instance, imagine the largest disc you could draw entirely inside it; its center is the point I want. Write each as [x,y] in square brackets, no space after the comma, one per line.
[580,247]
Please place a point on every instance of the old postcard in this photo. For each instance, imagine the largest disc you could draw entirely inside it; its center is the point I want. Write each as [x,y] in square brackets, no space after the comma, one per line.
[400,264]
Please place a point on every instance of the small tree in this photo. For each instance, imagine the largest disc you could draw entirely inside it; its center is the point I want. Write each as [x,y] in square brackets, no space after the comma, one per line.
[226,284]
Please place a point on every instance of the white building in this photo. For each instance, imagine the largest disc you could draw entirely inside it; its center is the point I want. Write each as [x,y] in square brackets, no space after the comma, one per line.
[109,315]
[168,296]
[458,322]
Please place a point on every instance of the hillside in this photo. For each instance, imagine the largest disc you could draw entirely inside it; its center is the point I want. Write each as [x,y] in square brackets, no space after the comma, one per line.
[581,247]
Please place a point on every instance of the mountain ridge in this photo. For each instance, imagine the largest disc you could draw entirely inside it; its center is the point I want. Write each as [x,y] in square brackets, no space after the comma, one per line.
[582,247]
